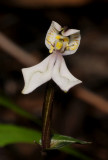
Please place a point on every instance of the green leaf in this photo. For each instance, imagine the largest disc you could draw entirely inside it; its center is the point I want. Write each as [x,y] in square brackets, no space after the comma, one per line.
[14,134]
[59,141]
[10,134]
[10,105]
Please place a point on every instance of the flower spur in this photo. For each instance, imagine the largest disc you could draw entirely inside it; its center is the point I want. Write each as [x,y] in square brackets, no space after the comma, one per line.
[60,42]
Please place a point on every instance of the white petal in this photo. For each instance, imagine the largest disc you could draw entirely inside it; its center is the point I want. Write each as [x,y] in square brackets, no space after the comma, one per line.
[51,34]
[56,25]
[61,75]
[70,32]
[38,74]
[74,43]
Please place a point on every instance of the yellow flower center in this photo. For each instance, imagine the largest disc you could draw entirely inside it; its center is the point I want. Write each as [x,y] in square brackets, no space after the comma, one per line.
[64,39]
[60,39]
[51,49]
[59,45]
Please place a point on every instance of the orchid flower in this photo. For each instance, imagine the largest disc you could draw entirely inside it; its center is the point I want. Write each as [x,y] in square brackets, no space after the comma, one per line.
[60,42]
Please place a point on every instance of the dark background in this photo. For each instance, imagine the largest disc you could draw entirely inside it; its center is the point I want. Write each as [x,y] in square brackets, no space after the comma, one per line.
[76,113]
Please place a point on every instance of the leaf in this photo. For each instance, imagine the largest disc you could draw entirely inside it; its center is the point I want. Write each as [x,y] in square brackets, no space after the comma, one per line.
[10,134]
[59,141]
[10,105]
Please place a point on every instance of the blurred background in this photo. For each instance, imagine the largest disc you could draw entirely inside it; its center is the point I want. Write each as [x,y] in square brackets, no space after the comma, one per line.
[83,111]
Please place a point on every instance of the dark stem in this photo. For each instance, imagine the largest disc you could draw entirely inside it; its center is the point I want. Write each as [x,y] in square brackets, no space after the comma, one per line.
[47,115]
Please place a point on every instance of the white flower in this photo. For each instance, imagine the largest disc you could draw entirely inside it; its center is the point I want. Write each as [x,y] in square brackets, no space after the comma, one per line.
[60,42]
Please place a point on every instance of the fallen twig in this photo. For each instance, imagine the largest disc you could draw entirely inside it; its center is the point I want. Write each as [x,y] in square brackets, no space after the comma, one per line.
[95,100]
[15,51]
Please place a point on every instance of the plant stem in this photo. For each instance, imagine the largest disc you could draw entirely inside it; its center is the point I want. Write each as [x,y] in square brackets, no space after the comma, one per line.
[46,115]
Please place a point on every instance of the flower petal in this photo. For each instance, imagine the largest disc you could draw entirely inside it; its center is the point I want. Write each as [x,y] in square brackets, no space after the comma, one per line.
[61,75]
[57,26]
[38,74]
[70,32]
[74,41]
[51,34]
